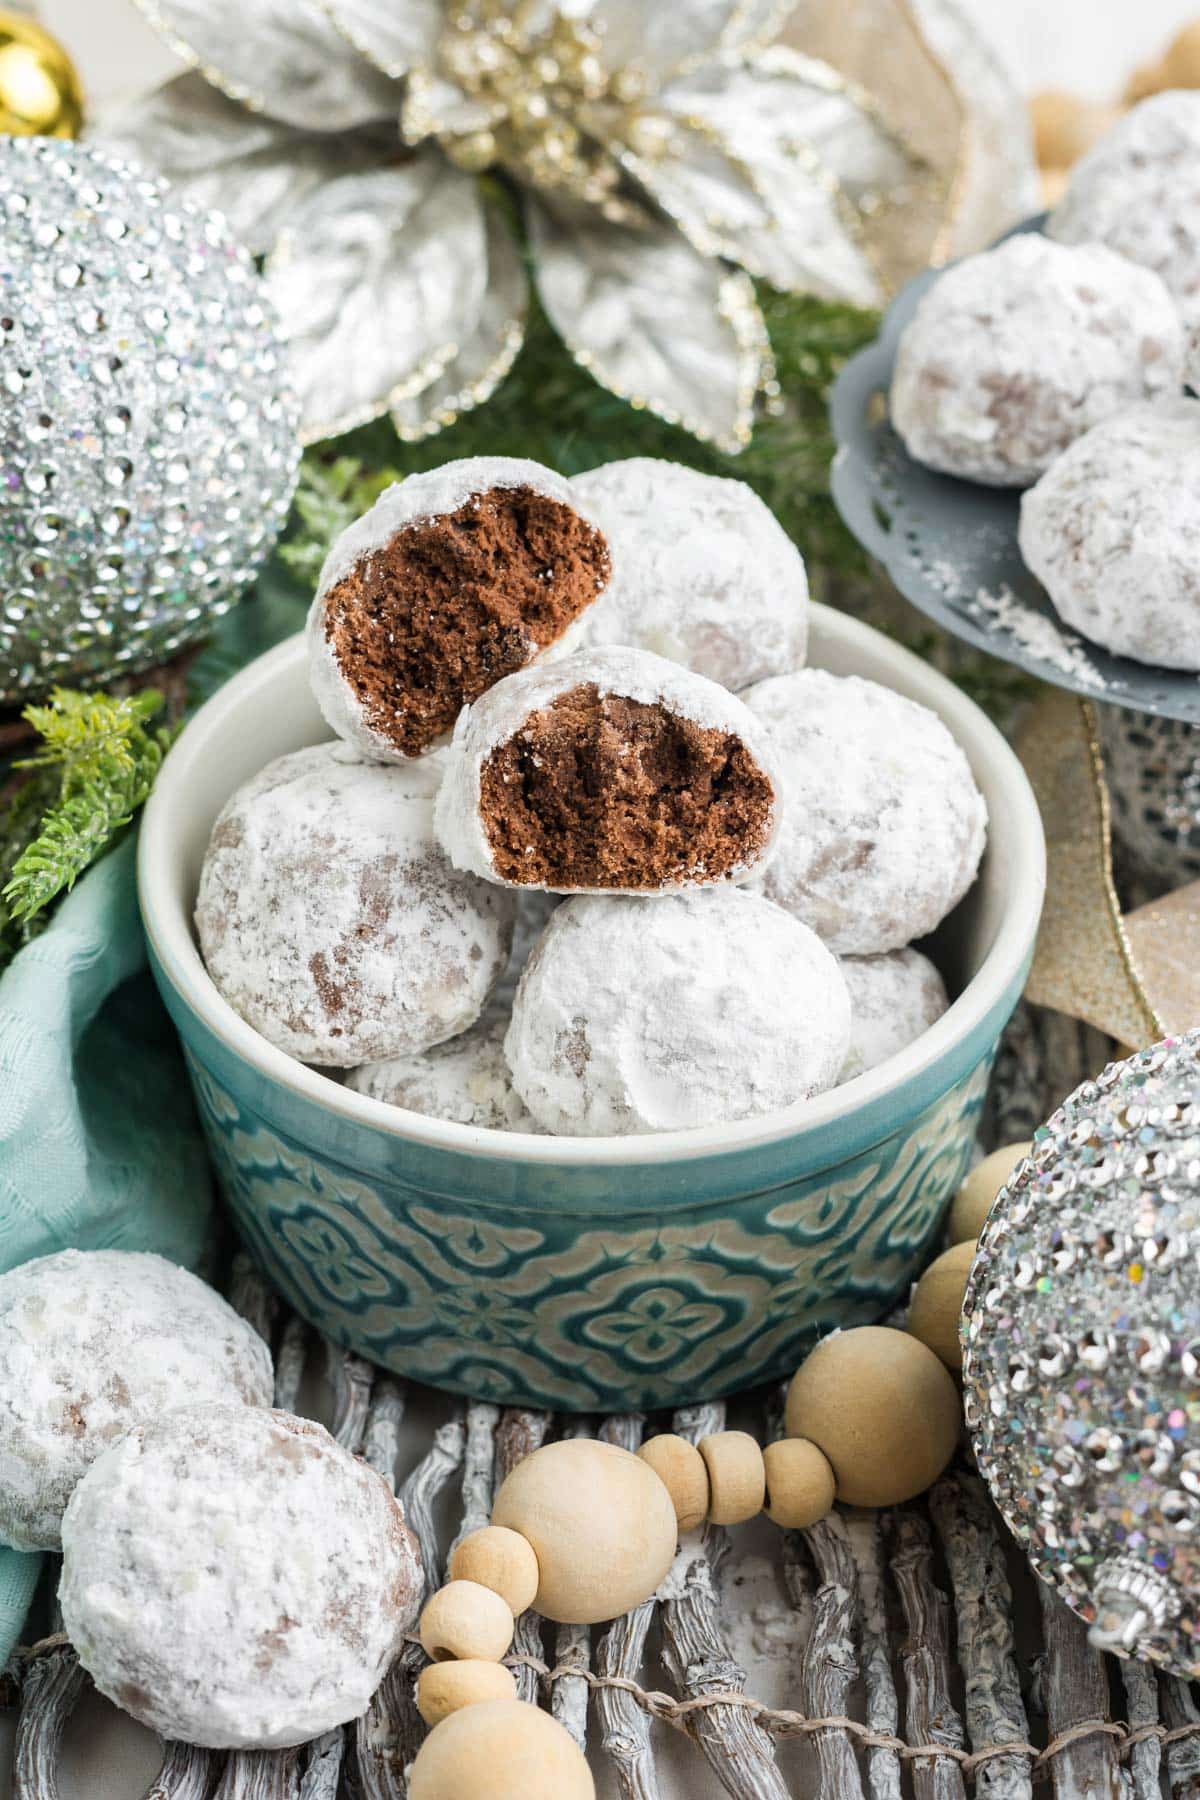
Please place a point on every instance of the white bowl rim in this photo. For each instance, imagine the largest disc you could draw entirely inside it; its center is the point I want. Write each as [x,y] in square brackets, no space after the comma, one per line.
[169,932]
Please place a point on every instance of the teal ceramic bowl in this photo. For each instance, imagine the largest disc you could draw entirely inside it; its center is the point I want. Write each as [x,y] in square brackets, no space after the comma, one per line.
[587,1274]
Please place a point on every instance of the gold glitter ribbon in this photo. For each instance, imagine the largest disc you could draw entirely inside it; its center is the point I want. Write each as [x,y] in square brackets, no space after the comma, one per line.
[1084,964]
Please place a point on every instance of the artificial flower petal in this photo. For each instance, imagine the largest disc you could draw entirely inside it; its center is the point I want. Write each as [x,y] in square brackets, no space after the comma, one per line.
[285,58]
[652,319]
[658,39]
[377,281]
[488,350]
[395,35]
[216,153]
[772,162]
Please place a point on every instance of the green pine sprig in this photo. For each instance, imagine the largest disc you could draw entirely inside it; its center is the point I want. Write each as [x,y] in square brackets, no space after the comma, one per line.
[96,764]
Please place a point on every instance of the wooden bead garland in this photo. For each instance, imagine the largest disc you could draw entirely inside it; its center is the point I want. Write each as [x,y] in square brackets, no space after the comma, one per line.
[873,1418]
[736,1478]
[681,1469]
[465,1620]
[937,1303]
[800,1485]
[445,1687]
[975,1197]
[501,1560]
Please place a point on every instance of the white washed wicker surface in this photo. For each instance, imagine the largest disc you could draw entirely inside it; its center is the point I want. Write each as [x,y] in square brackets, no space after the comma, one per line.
[919,1625]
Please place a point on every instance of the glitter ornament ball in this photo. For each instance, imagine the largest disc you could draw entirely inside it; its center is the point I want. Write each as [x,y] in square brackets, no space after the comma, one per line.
[149,441]
[1081,1331]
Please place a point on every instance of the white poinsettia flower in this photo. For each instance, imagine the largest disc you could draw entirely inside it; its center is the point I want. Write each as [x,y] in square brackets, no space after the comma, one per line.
[661,153]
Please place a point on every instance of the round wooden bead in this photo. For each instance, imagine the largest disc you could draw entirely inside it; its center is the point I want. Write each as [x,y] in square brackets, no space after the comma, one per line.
[601,1524]
[800,1487]
[1182,61]
[883,1409]
[736,1480]
[936,1305]
[500,1750]
[1065,126]
[465,1620]
[444,1687]
[1150,78]
[974,1199]
[680,1468]
[498,1559]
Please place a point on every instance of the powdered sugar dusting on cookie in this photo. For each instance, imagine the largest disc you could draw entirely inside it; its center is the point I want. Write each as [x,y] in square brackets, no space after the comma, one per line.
[330,919]
[884,826]
[698,1009]
[93,1343]
[234,1577]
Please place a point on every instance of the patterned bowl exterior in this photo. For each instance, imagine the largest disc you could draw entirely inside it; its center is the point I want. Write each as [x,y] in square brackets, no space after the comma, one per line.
[587,1289]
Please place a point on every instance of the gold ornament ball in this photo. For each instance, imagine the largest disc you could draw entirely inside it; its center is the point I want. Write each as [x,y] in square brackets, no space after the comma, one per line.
[39,88]
[883,1409]
[1182,61]
[500,1750]
[937,1303]
[976,1196]
[601,1524]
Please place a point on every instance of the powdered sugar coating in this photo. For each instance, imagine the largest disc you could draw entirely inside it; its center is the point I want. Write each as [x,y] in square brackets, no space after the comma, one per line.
[413,501]
[1138,192]
[233,1577]
[884,825]
[703,573]
[893,1000]
[331,921]
[466,1079]
[1014,353]
[1113,532]
[92,1343]
[700,1008]
[612,669]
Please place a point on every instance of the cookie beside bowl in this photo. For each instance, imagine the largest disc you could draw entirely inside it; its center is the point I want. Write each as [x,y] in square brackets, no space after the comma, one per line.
[587,1274]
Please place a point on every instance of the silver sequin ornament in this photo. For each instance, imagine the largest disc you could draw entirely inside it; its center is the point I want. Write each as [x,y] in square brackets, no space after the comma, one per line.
[149,441]
[1082,1354]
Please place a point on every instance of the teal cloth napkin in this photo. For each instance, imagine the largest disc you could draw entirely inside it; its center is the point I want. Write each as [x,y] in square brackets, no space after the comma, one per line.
[99,1144]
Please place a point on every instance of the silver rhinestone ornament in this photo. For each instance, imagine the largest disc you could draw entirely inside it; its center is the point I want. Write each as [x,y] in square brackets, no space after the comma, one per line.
[1081,1373]
[149,441]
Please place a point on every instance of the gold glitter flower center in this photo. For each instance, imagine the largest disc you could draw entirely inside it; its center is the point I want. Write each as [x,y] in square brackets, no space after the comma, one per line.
[522,82]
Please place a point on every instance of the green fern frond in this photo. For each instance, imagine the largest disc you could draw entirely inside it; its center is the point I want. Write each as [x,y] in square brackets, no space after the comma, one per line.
[102,760]
[329,496]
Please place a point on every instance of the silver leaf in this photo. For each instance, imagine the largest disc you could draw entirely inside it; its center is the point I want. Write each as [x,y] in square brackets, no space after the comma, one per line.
[660,37]
[285,58]
[378,280]
[773,162]
[652,319]
[488,351]
[218,154]
[395,35]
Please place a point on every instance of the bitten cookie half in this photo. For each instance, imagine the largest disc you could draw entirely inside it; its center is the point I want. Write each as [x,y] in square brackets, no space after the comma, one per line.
[453,579]
[611,771]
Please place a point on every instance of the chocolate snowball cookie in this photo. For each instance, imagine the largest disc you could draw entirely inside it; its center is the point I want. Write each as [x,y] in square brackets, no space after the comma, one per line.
[453,579]
[1113,532]
[884,825]
[329,918]
[1138,192]
[699,1009]
[1014,353]
[893,1000]
[703,572]
[613,771]
[92,1343]
[466,1080]
[234,1578]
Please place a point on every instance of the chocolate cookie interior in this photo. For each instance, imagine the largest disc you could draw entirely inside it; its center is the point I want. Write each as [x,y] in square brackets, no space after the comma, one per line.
[596,791]
[454,603]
